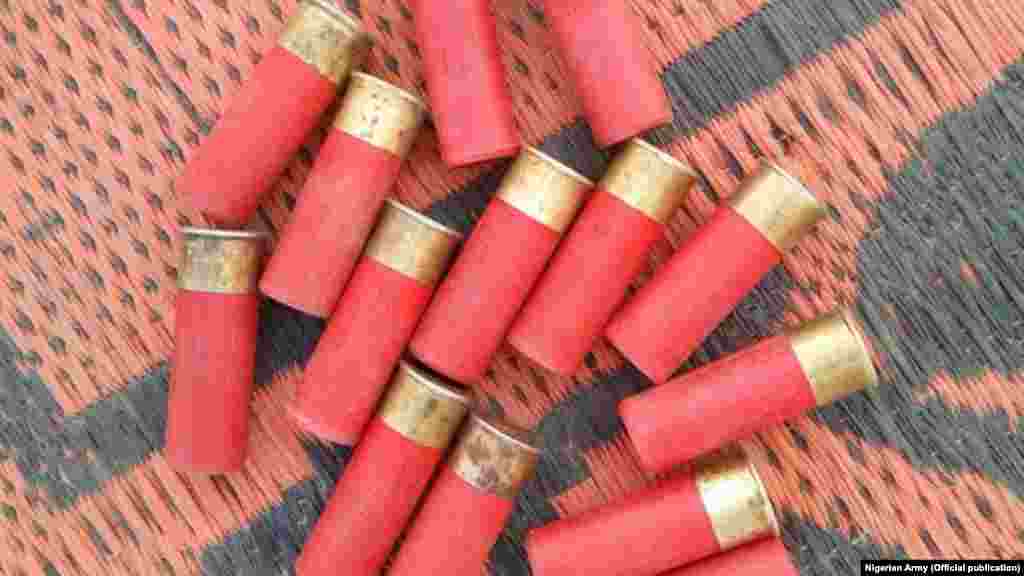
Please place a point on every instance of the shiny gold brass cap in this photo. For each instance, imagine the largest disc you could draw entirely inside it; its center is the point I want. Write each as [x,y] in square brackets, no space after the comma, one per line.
[322,35]
[412,244]
[494,457]
[544,189]
[834,356]
[648,179]
[734,498]
[779,206]
[423,408]
[221,261]
[380,114]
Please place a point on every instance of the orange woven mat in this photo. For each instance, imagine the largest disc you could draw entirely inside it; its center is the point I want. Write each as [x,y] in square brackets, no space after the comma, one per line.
[905,115]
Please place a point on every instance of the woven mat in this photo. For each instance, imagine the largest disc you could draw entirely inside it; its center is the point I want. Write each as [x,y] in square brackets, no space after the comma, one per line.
[905,115]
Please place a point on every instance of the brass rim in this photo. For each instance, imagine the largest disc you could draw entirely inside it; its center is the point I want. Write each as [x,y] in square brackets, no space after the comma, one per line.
[411,244]
[834,356]
[220,261]
[666,157]
[412,98]
[222,233]
[560,166]
[425,220]
[544,189]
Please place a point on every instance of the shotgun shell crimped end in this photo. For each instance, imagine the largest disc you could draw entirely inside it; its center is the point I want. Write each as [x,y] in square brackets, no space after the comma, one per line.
[734,498]
[325,37]
[494,457]
[544,189]
[779,206]
[423,408]
[221,261]
[380,114]
[412,244]
[833,353]
[649,179]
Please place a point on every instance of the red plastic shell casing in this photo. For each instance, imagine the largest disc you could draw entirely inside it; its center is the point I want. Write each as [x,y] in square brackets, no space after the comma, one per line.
[718,506]
[768,557]
[707,277]
[602,44]
[377,314]
[603,252]
[388,472]
[215,328]
[503,257]
[469,99]
[353,175]
[469,503]
[756,388]
[273,113]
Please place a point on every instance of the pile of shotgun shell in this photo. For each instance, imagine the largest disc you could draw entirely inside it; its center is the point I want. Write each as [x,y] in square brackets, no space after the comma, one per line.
[413,322]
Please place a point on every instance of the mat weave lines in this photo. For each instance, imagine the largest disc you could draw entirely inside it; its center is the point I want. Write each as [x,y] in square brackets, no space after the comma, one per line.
[907,116]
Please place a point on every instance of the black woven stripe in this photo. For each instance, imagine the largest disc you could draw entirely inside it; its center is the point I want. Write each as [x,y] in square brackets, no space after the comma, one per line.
[270,542]
[810,546]
[74,456]
[757,54]
[287,339]
[958,208]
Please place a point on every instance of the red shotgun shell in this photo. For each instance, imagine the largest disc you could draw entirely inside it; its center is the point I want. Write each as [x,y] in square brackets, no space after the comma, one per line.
[216,318]
[603,252]
[506,253]
[719,505]
[389,290]
[467,507]
[767,557]
[273,112]
[357,166]
[388,472]
[759,387]
[469,100]
[602,44]
[671,315]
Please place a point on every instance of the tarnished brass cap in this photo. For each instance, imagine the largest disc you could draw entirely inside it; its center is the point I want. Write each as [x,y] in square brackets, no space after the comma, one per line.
[423,408]
[380,114]
[544,189]
[221,261]
[734,498]
[493,457]
[779,206]
[322,35]
[412,244]
[834,356]
[648,179]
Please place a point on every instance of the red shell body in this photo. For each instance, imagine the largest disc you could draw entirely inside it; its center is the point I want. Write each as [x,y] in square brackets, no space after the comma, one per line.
[211,381]
[644,534]
[586,281]
[454,531]
[334,216]
[251,145]
[691,294]
[485,288]
[703,410]
[469,100]
[354,359]
[768,557]
[602,44]
[371,504]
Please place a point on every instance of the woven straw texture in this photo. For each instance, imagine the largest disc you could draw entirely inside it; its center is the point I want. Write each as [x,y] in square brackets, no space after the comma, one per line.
[905,115]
